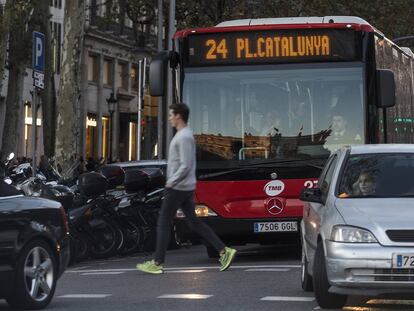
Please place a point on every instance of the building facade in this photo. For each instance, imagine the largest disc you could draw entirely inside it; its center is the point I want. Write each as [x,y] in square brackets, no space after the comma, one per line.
[109,65]
[111,57]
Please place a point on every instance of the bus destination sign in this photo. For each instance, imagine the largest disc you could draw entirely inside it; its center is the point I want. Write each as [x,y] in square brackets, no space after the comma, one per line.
[271,46]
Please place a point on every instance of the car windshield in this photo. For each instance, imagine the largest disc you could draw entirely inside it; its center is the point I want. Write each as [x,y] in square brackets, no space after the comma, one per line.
[378,175]
[245,114]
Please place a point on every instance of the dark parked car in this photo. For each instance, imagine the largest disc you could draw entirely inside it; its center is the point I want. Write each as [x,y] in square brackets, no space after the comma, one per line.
[34,248]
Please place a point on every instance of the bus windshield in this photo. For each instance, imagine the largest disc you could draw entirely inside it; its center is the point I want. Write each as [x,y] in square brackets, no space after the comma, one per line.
[258,114]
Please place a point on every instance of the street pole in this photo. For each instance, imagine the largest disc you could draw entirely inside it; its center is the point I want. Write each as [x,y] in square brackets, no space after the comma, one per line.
[38,83]
[34,124]
[141,90]
[160,114]
[139,109]
[144,74]
[111,138]
[171,31]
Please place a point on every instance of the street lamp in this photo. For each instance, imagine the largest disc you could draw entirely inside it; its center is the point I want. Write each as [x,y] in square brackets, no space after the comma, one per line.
[112,101]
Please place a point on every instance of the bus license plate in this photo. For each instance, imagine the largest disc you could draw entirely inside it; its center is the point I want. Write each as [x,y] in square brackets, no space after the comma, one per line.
[280,226]
[403,261]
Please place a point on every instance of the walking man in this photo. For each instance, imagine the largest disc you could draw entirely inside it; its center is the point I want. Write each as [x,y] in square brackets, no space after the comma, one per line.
[179,192]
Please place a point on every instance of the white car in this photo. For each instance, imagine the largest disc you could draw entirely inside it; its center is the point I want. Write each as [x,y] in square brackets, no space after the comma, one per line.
[358,227]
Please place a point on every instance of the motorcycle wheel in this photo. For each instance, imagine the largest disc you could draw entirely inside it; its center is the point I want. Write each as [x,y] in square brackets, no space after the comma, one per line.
[133,236]
[108,236]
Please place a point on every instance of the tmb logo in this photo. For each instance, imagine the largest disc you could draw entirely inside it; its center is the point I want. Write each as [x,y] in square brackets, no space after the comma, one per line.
[274,187]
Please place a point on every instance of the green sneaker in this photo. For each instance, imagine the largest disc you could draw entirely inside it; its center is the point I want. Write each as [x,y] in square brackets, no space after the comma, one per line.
[227,258]
[150,267]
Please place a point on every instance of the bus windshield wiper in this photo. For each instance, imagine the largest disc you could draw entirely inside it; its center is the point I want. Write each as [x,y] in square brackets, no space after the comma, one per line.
[212,175]
[293,162]
[269,164]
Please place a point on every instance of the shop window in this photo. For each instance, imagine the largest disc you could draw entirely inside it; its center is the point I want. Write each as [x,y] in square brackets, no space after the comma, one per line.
[105,137]
[91,139]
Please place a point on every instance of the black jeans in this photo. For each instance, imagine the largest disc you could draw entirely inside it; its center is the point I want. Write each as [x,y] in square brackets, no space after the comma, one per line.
[173,200]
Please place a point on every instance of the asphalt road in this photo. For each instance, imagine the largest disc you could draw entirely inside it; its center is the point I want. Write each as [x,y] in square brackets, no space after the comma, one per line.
[262,278]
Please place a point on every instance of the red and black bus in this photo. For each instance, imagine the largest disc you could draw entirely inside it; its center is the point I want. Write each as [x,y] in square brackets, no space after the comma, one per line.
[270,99]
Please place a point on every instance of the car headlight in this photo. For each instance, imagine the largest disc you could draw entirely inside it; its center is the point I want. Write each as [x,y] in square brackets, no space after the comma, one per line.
[348,234]
[200,211]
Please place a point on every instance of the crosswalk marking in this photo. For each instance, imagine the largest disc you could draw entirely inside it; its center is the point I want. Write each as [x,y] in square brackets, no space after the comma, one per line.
[85,296]
[103,273]
[267,270]
[185,296]
[283,298]
[216,267]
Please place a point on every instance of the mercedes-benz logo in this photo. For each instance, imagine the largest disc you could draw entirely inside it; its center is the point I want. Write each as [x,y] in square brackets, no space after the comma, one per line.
[273,175]
[275,206]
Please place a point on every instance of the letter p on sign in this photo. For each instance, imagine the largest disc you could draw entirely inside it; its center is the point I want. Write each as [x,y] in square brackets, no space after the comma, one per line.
[38,51]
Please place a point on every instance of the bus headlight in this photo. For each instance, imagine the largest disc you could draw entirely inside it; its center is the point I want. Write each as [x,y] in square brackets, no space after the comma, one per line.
[204,211]
[200,211]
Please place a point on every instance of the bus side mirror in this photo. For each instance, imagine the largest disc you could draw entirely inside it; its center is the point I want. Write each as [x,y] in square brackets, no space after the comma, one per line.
[385,88]
[158,73]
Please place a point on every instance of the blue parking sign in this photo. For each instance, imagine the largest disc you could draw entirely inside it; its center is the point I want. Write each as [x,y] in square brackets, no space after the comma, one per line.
[38,51]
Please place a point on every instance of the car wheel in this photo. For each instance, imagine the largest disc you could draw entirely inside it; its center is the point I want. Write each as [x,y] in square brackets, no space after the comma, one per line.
[306,279]
[36,277]
[321,284]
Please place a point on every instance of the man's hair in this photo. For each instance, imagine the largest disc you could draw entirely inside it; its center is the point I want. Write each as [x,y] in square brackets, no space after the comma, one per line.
[181,109]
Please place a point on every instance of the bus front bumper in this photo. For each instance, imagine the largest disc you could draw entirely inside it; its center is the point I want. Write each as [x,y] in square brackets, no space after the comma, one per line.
[236,231]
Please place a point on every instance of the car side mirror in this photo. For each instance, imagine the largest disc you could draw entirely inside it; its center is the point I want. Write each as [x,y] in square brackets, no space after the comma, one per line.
[385,88]
[311,195]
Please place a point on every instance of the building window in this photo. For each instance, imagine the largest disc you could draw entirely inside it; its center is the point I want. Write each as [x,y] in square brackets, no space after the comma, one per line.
[122,76]
[93,67]
[134,78]
[107,72]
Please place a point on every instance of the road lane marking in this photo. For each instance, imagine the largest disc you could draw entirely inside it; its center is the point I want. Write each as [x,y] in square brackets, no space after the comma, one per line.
[103,273]
[185,296]
[80,268]
[85,296]
[191,268]
[186,271]
[267,270]
[283,298]
[390,302]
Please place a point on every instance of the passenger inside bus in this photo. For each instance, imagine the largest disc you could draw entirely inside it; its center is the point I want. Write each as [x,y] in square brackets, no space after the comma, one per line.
[271,125]
[299,116]
[243,128]
[342,133]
